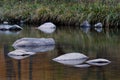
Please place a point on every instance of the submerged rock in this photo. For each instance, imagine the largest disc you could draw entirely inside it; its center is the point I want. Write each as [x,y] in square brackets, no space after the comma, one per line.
[10,27]
[98,62]
[33,42]
[20,54]
[15,27]
[47,27]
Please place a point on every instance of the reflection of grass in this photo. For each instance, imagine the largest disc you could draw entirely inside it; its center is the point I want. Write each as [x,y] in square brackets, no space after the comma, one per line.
[62,12]
[81,42]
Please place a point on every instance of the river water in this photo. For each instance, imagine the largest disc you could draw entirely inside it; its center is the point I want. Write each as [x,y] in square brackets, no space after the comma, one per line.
[40,66]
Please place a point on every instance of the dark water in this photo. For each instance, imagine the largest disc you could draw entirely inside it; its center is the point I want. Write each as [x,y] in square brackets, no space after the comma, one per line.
[40,66]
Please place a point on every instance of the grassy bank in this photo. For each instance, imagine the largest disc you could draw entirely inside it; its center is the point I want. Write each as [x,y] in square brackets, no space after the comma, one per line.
[64,12]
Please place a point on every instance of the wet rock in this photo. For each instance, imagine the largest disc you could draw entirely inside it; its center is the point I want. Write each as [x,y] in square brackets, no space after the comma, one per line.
[98,25]
[20,54]
[71,62]
[85,24]
[10,27]
[98,62]
[71,56]
[47,27]
[33,42]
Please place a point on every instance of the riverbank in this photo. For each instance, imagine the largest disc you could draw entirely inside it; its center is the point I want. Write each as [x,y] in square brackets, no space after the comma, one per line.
[60,12]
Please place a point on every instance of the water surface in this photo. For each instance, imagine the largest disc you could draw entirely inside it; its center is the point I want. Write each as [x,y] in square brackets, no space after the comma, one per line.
[40,66]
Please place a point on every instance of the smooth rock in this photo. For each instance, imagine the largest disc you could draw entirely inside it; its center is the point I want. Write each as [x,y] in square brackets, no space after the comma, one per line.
[85,24]
[20,54]
[98,25]
[72,61]
[47,27]
[10,27]
[33,42]
[98,62]
[71,56]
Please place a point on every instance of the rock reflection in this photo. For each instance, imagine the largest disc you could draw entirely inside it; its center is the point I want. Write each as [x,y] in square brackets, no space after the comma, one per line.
[37,48]
[85,30]
[98,29]
[10,32]
[82,65]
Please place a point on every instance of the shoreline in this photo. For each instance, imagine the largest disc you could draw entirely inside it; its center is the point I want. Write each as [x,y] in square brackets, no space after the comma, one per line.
[61,13]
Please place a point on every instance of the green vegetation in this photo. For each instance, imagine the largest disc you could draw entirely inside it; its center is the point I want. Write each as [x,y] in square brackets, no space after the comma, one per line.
[64,12]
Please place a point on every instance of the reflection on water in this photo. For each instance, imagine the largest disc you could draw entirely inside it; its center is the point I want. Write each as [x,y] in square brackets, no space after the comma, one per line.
[9,32]
[41,67]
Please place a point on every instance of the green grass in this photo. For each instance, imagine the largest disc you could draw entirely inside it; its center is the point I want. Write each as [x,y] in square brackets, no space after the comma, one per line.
[64,12]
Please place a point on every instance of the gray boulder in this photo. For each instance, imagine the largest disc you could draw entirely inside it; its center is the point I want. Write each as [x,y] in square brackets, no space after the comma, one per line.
[33,42]
[85,24]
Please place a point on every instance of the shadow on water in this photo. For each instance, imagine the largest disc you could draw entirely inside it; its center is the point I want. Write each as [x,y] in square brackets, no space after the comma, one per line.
[40,66]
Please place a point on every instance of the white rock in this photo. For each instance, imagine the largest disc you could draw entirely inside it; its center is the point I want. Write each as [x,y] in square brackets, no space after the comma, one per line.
[72,62]
[33,42]
[16,27]
[9,32]
[71,56]
[98,62]
[98,29]
[47,27]
[98,25]
[20,54]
